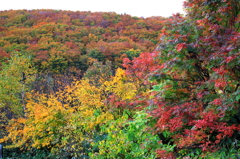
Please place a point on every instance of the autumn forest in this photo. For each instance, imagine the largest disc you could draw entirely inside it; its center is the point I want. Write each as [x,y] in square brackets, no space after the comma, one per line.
[102,85]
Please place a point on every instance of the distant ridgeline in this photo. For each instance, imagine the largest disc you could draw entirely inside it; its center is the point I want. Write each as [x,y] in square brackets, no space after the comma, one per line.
[67,41]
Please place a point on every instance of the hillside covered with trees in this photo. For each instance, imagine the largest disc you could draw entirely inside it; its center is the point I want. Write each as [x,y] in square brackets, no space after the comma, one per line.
[104,85]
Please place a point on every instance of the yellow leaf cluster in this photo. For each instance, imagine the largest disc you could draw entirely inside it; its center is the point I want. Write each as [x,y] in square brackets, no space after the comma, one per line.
[70,115]
[120,86]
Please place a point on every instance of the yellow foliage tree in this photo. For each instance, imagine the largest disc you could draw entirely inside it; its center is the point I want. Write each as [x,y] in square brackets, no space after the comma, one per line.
[120,86]
[16,76]
[65,121]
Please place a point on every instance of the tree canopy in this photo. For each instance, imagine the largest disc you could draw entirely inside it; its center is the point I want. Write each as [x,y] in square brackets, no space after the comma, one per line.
[104,85]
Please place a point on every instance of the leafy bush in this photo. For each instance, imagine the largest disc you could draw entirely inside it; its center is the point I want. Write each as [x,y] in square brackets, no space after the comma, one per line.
[128,138]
